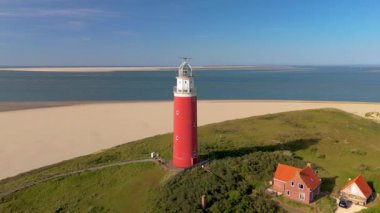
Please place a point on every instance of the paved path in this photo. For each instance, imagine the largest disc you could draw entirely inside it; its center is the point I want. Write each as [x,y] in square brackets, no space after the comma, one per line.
[65,174]
[353,208]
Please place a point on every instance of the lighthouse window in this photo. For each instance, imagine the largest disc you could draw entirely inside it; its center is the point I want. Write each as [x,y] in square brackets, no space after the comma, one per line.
[177,112]
[177,138]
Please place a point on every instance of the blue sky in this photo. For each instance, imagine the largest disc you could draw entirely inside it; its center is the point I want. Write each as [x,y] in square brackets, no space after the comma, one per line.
[212,32]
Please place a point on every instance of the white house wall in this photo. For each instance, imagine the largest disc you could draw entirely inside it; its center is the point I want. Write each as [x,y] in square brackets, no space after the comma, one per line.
[354,190]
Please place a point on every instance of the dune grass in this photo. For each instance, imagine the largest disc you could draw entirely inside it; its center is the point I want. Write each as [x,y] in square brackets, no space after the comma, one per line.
[340,144]
[110,190]
[373,209]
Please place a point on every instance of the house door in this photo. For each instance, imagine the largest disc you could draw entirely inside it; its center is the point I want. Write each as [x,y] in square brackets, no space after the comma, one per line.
[302,196]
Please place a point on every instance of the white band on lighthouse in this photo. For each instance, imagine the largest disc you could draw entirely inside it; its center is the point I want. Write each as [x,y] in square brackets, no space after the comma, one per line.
[185,81]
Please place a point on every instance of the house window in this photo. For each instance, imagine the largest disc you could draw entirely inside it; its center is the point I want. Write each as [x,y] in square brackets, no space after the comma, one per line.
[292,183]
[302,196]
[300,186]
[288,192]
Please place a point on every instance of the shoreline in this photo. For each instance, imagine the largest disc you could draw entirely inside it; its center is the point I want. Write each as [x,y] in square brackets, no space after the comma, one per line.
[7,106]
[145,68]
[33,136]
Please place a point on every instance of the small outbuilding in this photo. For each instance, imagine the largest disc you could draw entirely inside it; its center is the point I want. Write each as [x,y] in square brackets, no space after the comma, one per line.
[357,191]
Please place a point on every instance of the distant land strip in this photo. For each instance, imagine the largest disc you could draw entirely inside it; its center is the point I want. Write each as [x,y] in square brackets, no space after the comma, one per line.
[167,68]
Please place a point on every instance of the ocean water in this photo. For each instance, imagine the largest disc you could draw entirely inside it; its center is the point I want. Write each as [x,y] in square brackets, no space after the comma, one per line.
[333,83]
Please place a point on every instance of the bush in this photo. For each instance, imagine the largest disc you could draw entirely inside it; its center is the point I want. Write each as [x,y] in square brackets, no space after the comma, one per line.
[321,156]
[373,209]
[358,152]
[326,204]
[228,188]
[363,167]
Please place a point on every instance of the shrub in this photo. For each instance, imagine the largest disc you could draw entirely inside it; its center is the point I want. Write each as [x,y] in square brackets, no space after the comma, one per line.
[228,188]
[321,156]
[358,152]
[326,204]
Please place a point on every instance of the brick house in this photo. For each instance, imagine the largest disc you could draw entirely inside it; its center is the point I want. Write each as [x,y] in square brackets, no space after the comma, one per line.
[297,184]
[357,191]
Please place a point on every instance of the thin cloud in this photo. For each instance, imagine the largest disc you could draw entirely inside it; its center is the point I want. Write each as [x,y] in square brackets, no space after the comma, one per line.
[125,33]
[12,34]
[37,12]
[69,25]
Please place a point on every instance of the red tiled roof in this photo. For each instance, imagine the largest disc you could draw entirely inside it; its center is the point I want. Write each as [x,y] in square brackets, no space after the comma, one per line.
[310,178]
[286,173]
[362,184]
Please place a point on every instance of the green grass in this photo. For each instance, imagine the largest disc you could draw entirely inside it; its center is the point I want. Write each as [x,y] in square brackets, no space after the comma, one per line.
[374,209]
[340,144]
[297,205]
[110,190]
[326,204]
[235,184]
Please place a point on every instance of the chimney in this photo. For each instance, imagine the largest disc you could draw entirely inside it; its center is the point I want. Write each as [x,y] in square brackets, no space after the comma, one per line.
[308,165]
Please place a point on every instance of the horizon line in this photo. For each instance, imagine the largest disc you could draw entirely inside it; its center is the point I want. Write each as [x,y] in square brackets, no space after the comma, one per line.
[194,65]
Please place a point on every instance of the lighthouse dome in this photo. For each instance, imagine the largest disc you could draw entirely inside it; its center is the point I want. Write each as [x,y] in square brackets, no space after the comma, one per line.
[185,69]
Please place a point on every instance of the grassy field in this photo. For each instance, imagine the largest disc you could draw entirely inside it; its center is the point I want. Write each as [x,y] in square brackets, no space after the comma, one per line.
[340,144]
[374,209]
[110,190]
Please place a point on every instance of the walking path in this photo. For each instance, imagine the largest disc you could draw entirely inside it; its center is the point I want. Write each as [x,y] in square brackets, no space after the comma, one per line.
[65,174]
[159,161]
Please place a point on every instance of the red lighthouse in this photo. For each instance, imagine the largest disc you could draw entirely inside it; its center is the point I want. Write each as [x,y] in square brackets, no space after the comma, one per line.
[185,145]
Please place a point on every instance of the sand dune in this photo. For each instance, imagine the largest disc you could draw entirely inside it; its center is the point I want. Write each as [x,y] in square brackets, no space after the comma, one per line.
[32,138]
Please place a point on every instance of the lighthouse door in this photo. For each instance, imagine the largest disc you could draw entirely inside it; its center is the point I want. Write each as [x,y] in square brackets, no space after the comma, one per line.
[193,161]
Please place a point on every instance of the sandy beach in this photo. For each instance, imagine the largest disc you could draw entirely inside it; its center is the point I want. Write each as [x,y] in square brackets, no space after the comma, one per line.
[31,138]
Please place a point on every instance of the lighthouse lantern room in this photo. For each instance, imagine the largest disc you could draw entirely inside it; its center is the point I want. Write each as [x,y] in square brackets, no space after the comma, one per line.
[185,145]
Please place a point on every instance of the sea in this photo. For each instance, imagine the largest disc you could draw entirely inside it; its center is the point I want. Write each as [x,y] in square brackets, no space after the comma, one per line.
[322,83]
